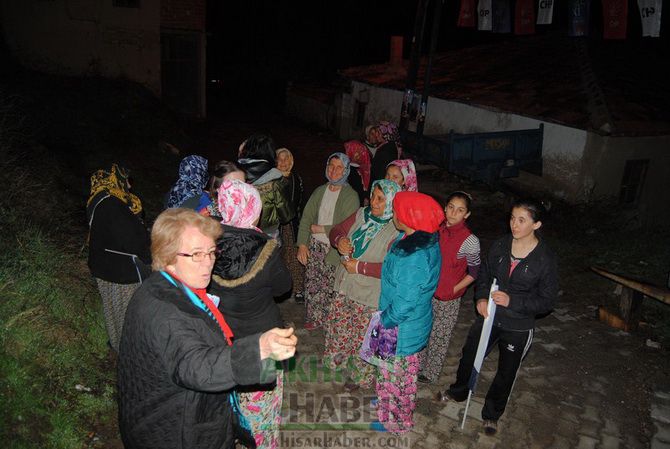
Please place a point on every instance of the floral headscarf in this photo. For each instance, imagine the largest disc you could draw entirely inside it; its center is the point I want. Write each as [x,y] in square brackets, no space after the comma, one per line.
[290,160]
[371,226]
[239,204]
[390,133]
[408,171]
[418,211]
[192,180]
[114,183]
[347,168]
[359,155]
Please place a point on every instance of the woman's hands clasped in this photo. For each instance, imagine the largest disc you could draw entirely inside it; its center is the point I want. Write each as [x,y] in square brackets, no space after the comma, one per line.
[344,246]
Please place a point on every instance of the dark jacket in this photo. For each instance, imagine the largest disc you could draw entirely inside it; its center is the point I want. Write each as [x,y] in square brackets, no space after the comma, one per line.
[532,287]
[175,369]
[247,276]
[356,183]
[294,193]
[384,155]
[275,193]
[114,227]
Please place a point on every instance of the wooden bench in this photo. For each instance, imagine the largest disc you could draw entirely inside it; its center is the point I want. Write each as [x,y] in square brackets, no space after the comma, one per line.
[630,305]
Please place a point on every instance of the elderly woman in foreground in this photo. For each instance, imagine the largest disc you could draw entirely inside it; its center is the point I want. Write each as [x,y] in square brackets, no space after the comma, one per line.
[177,360]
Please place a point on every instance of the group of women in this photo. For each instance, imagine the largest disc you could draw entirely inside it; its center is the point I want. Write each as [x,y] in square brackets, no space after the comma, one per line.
[203,329]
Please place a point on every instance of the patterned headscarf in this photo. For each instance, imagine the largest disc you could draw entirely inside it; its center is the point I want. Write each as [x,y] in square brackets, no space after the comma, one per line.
[239,204]
[408,171]
[418,211]
[390,133]
[362,236]
[290,160]
[192,180]
[359,154]
[114,183]
[347,168]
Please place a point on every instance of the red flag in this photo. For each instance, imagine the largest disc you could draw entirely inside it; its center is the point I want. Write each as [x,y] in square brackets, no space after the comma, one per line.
[524,17]
[467,14]
[615,16]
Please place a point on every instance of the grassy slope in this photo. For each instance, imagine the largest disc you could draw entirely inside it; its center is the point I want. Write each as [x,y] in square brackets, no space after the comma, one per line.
[54,133]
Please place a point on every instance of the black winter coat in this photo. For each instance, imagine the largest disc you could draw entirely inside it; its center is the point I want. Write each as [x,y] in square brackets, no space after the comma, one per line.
[384,155]
[115,227]
[248,274]
[532,287]
[175,369]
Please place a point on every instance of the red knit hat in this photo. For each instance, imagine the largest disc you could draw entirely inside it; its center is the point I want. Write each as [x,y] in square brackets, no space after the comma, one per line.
[418,211]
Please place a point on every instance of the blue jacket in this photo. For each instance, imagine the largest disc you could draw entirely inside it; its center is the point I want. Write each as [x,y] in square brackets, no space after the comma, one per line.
[410,273]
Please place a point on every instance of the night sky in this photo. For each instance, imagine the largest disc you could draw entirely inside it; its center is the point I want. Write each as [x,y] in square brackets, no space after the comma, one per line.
[264,43]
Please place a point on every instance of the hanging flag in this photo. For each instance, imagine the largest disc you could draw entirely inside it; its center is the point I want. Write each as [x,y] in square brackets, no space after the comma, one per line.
[545,12]
[615,17]
[481,347]
[502,16]
[467,14]
[650,13]
[485,19]
[579,16]
[524,17]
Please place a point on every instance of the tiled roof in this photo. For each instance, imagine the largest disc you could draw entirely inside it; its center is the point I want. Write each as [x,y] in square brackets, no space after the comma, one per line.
[544,77]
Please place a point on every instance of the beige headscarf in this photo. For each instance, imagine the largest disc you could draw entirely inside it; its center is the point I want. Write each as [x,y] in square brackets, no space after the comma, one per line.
[290,160]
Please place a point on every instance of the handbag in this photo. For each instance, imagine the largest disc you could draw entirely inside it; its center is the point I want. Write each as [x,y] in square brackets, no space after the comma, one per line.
[379,343]
[241,426]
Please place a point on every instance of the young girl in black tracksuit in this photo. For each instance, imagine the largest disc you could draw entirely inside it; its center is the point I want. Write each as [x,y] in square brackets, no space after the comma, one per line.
[527,275]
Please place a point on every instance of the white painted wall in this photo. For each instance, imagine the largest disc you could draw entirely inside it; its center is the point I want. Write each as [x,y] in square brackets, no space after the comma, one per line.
[563,146]
[84,37]
[578,165]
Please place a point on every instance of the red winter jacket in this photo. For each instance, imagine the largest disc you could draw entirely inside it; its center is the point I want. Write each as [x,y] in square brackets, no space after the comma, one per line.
[453,269]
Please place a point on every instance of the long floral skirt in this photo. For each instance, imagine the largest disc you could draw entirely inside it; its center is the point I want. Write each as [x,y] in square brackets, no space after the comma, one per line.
[115,299]
[319,279]
[263,411]
[445,314]
[396,391]
[289,254]
[345,330]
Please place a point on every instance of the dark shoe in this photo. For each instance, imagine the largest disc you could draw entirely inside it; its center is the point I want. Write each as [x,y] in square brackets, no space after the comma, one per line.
[445,396]
[299,298]
[423,379]
[490,427]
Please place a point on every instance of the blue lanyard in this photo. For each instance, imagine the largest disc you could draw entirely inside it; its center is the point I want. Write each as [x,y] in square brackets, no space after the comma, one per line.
[192,296]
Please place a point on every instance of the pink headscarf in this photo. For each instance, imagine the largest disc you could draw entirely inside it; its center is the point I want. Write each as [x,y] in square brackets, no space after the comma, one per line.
[408,171]
[359,155]
[239,204]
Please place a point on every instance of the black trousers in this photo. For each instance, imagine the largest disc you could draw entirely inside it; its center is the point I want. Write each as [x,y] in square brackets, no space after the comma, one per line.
[512,346]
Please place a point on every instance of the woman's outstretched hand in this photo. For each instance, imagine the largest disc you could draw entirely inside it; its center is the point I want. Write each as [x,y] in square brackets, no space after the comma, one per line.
[278,344]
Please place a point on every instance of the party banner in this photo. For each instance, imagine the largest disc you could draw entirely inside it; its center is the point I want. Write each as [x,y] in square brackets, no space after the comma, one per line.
[502,16]
[467,14]
[524,17]
[650,13]
[545,12]
[615,17]
[579,16]
[485,20]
